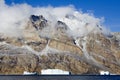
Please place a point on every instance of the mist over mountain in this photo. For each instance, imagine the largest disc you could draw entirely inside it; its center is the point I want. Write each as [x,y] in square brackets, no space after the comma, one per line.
[36,38]
[14,17]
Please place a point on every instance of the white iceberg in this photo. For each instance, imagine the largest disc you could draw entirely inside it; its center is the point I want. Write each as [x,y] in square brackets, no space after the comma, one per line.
[54,72]
[29,73]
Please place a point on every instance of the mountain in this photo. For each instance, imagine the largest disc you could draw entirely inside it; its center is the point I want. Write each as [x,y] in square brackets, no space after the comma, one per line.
[58,45]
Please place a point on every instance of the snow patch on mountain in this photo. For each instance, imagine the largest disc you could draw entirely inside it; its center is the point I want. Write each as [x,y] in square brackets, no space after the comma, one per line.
[82,24]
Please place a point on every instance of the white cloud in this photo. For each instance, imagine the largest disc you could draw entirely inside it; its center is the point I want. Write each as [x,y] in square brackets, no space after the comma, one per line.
[12,18]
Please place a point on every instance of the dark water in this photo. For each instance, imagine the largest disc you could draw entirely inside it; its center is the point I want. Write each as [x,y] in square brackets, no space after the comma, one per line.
[57,77]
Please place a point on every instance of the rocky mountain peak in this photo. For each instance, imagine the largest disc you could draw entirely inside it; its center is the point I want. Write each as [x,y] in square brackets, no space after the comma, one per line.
[34,18]
[39,22]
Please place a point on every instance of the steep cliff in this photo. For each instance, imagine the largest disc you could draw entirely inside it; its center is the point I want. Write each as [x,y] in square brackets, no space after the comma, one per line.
[56,49]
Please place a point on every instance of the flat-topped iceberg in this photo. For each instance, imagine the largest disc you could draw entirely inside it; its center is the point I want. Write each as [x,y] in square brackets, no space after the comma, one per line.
[54,72]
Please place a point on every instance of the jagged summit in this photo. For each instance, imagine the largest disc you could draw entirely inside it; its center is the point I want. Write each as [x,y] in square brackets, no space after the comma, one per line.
[34,18]
[70,26]
[38,22]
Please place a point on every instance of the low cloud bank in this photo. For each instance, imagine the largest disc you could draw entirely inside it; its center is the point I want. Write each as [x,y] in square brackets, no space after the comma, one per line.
[14,17]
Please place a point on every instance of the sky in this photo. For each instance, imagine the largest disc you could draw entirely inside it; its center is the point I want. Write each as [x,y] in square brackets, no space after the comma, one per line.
[109,9]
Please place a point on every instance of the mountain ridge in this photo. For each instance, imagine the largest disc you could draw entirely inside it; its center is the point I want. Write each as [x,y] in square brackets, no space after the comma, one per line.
[44,46]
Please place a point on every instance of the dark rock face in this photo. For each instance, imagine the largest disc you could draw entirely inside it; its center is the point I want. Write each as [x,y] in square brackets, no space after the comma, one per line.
[34,18]
[61,25]
[39,22]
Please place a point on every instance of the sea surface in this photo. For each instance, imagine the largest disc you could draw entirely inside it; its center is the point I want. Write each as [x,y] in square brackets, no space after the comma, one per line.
[59,77]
